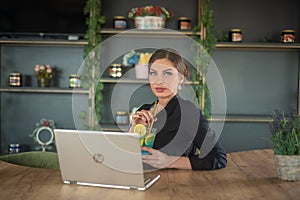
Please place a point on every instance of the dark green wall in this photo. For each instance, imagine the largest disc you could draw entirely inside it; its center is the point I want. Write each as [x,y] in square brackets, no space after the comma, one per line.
[257,18]
[256,81]
[21,111]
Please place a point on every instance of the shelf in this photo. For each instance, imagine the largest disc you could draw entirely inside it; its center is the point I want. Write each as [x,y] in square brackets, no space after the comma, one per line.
[149,33]
[127,32]
[136,81]
[228,119]
[133,81]
[45,90]
[153,33]
[241,118]
[257,46]
[106,126]
[43,42]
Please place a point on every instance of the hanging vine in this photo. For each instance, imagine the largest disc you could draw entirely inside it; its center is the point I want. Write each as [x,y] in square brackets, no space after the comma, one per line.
[91,70]
[202,60]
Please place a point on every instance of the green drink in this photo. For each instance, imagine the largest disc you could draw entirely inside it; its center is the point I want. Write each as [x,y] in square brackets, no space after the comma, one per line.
[148,141]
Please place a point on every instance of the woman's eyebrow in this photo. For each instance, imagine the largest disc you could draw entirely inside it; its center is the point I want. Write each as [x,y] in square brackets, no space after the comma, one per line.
[166,70]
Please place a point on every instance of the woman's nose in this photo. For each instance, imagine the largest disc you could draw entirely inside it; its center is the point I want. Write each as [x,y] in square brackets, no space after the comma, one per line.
[159,80]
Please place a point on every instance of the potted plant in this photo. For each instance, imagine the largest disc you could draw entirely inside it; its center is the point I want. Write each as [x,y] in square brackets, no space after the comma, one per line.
[150,17]
[286,143]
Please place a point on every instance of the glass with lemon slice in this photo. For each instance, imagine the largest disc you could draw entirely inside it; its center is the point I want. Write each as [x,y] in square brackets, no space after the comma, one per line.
[146,140]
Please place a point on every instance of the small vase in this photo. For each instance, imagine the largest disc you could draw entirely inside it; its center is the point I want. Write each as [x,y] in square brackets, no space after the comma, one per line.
[44,82]
[141,71]
[288,167]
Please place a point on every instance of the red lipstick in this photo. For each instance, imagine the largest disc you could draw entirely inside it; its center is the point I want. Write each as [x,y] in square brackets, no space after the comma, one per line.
[160,89]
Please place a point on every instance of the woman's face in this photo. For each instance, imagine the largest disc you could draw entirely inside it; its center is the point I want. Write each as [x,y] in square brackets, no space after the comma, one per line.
[164,78]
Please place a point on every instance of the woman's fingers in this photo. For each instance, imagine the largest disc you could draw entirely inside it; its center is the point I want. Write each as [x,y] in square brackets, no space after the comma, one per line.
[148,115]
[144,116]
[157,158]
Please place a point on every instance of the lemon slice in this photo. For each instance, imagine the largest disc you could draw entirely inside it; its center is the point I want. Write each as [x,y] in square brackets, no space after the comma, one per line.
[140,129]
[149,140]
[142,141]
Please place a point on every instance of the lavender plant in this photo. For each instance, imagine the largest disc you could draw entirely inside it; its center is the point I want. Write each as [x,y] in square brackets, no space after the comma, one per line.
[286,132]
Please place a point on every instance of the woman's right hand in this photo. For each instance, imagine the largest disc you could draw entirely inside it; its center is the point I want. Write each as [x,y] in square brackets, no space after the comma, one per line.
[144,117]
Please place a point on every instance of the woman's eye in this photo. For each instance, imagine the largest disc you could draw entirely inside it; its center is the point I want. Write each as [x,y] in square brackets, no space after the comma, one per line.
[153,73]
[168,74]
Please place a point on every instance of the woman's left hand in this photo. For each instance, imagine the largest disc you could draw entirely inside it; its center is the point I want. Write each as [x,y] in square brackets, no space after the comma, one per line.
[157,159]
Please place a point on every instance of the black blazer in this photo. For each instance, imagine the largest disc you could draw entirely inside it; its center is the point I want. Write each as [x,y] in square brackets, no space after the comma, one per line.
[181,129]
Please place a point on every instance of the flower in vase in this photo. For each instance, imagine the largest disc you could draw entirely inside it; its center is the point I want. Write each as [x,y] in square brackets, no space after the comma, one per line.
[150,11]
[134,58]
[131,58]
[144,58]
[285,130]
[43,71]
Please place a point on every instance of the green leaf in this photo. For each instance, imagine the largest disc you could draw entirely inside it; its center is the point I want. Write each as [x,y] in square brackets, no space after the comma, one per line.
[82,115]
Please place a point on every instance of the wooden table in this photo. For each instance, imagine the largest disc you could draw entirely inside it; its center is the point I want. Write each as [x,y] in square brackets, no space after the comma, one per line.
[249,175]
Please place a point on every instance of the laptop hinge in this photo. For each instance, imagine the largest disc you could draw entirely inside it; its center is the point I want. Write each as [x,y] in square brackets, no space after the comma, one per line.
[133,187]
[70,182]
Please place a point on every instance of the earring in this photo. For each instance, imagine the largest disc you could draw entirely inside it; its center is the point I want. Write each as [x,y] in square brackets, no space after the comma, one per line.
[179,87]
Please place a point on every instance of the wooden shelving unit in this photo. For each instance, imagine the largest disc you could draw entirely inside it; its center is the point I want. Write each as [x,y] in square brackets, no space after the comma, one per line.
[45,90]
[257,46]
[156,33]
[42,42]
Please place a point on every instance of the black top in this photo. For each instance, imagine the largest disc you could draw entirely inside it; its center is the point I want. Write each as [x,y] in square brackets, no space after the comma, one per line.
[181,130]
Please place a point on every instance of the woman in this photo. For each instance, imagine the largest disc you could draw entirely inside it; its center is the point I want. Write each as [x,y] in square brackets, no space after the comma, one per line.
[179,124]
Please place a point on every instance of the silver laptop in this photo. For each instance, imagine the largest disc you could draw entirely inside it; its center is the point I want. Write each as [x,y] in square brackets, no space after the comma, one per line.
[105,159]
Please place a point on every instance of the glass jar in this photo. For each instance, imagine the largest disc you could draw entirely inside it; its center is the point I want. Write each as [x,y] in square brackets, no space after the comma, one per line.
[74,81]
[235,35]
[14,148]
[184,23]
[15,79]
[120,22]
[122,117]
[288,36]
[115,70]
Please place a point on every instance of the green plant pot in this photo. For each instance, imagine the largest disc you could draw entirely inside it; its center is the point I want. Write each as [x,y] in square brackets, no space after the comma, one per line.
[288,167]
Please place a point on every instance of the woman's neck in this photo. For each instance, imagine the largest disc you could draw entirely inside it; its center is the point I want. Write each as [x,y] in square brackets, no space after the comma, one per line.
[164,101]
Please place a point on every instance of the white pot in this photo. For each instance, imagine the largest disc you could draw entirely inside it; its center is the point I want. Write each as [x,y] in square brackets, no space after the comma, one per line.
[139,22]
[149,22]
